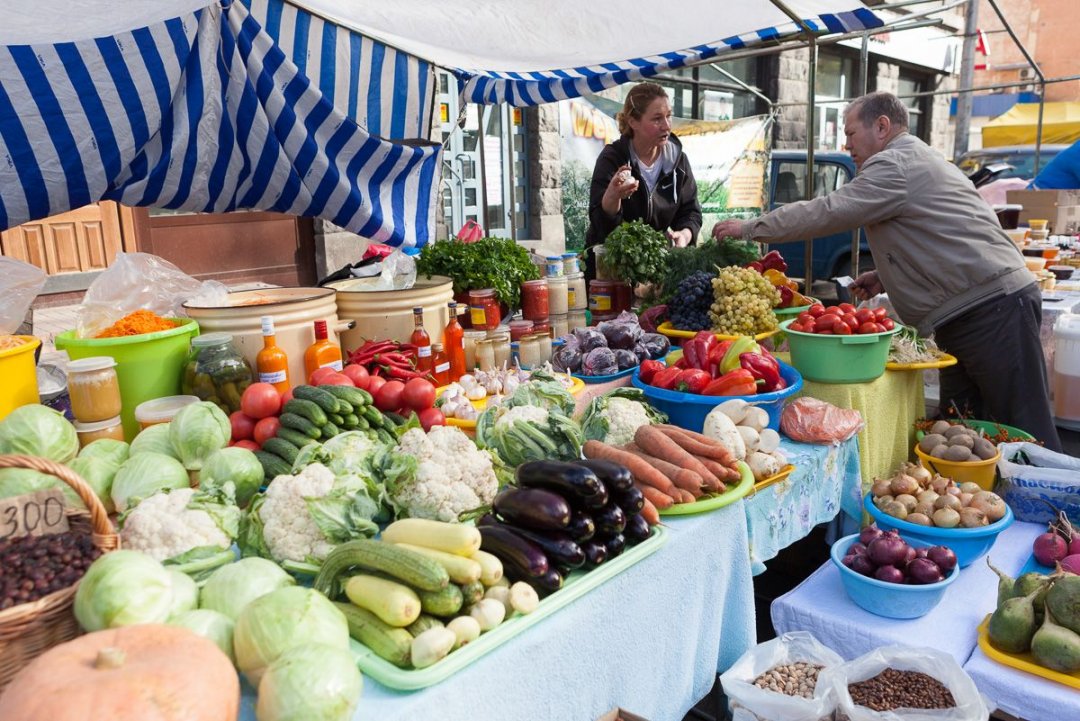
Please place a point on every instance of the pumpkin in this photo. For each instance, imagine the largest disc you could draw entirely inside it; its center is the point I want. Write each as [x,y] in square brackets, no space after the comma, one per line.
[134,673]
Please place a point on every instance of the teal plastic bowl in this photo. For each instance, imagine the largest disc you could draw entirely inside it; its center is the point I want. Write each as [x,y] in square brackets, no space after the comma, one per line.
[891,600]
[969,544]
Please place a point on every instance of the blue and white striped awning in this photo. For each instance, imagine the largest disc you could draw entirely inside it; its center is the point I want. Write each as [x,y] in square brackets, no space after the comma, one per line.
[203,112]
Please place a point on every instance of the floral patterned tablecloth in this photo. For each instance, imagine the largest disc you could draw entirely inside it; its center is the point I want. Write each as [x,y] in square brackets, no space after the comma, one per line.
[826,480]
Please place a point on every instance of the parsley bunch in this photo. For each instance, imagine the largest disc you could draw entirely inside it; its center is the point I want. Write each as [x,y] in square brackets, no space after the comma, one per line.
[497,263]
[636,253]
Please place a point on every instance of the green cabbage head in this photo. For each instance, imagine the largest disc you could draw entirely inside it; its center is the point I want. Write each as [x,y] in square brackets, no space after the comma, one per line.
[238,465]
[107,449]
[232,587]
[123,588]
[209,624]
[97,472]
[35,430]
[145,474]
[313,682]
[197,431]
[154,439]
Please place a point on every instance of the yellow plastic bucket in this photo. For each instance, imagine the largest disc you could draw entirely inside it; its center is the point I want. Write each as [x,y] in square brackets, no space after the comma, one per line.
[980,472]
[18,376]
[147,365]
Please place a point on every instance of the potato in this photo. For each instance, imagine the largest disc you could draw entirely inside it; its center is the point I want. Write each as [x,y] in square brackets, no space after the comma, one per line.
[984,449]
[954,431]
[931,441]
[962,439]
[939,451]
[957,454]
[940,427]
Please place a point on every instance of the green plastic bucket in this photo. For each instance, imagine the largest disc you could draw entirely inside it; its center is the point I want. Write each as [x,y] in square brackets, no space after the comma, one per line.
[148,366]
[839,358]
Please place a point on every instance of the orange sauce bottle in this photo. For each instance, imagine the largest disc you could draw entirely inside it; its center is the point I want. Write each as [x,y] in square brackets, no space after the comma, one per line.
[271,363]
[454,344]
[440,365]
[322,353]
[422,341]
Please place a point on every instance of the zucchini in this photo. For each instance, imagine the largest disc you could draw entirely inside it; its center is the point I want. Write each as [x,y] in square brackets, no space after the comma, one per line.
[350,394]
[472,592]
[320,397]
[423,623]
[299,423]
[272,465]
[281,448]
[491,569]
[446,602]
[404,565]
[307,409]
[297,438]
[394,603]
[449,537]
[389,643]
[460,569]
[329,430]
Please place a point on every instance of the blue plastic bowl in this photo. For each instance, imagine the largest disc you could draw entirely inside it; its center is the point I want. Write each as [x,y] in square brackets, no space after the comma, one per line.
[688,410]
[969,544]
[891,600]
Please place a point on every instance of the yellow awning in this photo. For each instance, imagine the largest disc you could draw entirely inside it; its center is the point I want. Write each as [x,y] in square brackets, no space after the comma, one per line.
[1061,124]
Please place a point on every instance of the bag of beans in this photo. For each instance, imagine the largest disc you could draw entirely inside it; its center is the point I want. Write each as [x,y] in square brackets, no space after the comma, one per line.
[904,683]
[778,681]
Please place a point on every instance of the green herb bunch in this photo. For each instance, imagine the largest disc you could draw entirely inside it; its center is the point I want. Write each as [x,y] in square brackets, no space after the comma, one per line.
[497,263]
[636,253]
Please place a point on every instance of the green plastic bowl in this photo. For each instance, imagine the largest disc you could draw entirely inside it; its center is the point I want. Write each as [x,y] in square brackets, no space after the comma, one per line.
[783,314]
[148,366]
[990,429]
[839,358]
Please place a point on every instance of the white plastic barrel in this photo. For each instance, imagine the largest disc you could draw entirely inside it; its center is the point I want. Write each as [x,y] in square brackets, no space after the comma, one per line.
[387,314]
[1067,370]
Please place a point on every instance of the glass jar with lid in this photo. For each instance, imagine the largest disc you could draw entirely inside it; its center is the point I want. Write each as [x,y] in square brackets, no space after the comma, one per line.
[554,266]
[484,309]
[535,299]
[558,295]
[485,354]
[500,342]
[90,432]
[575,319]
[560,324]
[470,339]
[570,263]
[94,389]
[529,351]
[215,371]
[577,296]
[544,343]
[520,328]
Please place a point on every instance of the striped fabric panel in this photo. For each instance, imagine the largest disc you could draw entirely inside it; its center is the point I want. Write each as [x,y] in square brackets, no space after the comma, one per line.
[389,92]
[534,88]
[201,113]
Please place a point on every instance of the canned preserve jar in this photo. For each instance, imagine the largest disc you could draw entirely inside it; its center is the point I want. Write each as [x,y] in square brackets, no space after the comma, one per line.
[574,319]
[570,263]
[558,300]
[94,389]
[484,309]
[485,355]
[542,326]
[601,296]
[577,295]
[161,410]
[471,338]
[519,328]
[560,324]
[624,297]
[554,266]
[90,432]
[500,342]
[529,351]
[535,299]
[216,371]
[544,341]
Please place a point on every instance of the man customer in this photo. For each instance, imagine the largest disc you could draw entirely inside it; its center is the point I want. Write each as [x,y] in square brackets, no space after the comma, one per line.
[947,265]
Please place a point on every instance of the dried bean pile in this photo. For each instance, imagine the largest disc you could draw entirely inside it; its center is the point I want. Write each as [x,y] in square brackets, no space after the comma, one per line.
[32,567]
[795,679]
[892,689]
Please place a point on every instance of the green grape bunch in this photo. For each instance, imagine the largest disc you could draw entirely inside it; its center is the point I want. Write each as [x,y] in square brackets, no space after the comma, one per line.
[743,300]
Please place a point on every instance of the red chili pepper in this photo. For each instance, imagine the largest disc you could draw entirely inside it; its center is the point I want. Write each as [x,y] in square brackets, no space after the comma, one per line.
[393,358]
[738,382]
[692,380]
[402,373]
[649,369]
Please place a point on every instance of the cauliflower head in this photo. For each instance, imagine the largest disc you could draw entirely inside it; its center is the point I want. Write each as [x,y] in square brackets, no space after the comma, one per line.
[162,526]
[624,417]
[452,475]
[291,534]
[528,414]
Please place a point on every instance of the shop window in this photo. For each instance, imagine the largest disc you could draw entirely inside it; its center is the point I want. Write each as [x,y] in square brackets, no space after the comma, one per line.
[791,181]
[918,117]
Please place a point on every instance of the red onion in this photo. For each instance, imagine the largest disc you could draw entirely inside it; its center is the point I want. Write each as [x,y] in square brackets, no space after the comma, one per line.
[923,571]
[887,549]
[1050,548]
[856,549]
[869,534]
[889,574]
[943,557]
[909,556]
[1074,544]
[862,565]
[921,552]
[846,560]
[1071,563]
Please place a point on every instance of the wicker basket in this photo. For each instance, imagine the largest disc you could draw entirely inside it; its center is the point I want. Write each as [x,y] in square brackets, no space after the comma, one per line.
[30,629]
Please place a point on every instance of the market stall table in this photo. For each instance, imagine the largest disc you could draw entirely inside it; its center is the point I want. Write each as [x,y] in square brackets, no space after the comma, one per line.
[821,606]
[1023,695]
[650,640]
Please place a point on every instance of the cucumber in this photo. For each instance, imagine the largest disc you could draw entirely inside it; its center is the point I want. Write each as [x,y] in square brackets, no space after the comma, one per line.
[384,418]
[273,466]
[351,421]
[472,592]
[404,565]
[335,419]
[343,407]
[446,602]
[389,643]
[386,437]
[423,623]
[460,569]
[299,423]
[297,438]
[329,430]
[282,449]
[306,409]
[350,394]
[394,603]
[318,396]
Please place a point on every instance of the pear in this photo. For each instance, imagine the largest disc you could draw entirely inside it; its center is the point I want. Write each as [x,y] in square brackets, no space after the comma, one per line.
[1006,584]
[1035,583]
[1063,600]
[1013,624]
[1056,647]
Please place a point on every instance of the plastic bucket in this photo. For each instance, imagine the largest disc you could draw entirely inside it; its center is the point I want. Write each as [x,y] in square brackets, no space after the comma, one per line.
[981,472]
[839,358]
[148,365]
[386,314]
[18,376]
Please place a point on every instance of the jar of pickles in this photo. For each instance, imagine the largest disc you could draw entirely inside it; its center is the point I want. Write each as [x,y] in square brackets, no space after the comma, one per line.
[558,295]
[575,319]
[535,300]
[470,339]
[577,296]
[215,371]
[94,389]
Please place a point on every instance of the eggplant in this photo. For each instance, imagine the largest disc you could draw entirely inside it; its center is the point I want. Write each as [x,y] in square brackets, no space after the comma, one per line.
[598,501]
[595,553]
[534,508]
[615,545]
[615,476]
[631,500]
[548,583]
[637,528]
[559,547]
[513,550]
[572,481]
[581,526]
[610,520]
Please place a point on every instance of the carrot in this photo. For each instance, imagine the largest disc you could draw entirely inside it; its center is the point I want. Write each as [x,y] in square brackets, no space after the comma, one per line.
[683,478]
[698,444]
[720,471]
[656,443]
[686,496]
[650,514]
[641,470]
[659,499]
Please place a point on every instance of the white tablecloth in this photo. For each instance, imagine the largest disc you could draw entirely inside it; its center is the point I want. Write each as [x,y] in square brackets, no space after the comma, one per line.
[649,640]
[1023,695]
[821,606]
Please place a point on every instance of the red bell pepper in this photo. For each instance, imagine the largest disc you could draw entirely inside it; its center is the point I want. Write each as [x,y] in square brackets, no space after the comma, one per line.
[692,380]
[786,296]
[716,357]
[666,378]
[758,266]
[696,350]
[649,369]
[738,382]
[774,261]
[764,368]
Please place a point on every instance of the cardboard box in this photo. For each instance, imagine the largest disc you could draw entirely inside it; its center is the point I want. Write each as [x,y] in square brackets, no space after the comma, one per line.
[1060,208]
[619,714]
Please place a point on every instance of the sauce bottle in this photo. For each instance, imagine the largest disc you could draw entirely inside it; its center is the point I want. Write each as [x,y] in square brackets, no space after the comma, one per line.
[322,353]
[422,341]
[454,343]
[440,365]
[271,363]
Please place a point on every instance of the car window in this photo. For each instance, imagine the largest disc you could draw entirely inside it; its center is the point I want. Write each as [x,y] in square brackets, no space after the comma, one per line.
[1023,163]
[791,181]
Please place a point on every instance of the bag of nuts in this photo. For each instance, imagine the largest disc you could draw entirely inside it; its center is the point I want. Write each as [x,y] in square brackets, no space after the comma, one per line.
[778,681]
[904,683]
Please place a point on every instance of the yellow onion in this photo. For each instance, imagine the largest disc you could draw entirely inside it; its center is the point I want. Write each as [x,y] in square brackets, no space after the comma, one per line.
[902,483]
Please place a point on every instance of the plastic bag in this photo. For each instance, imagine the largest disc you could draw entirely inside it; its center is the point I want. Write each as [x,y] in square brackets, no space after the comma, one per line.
[626,359]
[138,281]
[747,702]
[657,345]
[567,358]
[812,421]
[623,332]
[20,283]
[470,232]
[970,705]
[590,338]
[599,362]
[397,271]
[1031,474]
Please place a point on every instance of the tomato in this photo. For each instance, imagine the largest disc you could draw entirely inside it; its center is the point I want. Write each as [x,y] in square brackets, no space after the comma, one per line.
[869,328]
[810,326]
[316,377]
[847,308]
[826,322]
[374,384]
[850,321]
[249,445]
[804,316]
[242,426]
[431,417]
[335,379]
[286,397]
[388,398]
[419,394]
[824,332]
[797,327]
[881,313]
[887,324]
[864,315]
[260,400]
[841,329]
[358,374]
[833,310]
[266,429]
[816,309]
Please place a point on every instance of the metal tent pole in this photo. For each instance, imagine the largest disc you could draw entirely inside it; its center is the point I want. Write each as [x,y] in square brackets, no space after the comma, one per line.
[967,79]
[1038,72]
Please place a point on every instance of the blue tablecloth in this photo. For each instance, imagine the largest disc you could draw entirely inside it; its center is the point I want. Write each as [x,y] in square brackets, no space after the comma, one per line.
[649,640]
[826,480]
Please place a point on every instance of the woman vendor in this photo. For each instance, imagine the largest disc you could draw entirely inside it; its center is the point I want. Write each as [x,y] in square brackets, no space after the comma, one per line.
[643,175]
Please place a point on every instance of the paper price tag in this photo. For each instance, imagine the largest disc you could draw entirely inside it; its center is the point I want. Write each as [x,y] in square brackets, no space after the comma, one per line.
[33,514]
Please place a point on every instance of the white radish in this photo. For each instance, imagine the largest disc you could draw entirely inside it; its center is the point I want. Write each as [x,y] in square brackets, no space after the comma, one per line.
[719,426]
[735,409]
[502,595]
[432,645]
[750,438]
[756,418]
[768,441]
[763,465]
[465,628]
[488,612]
[523,598]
